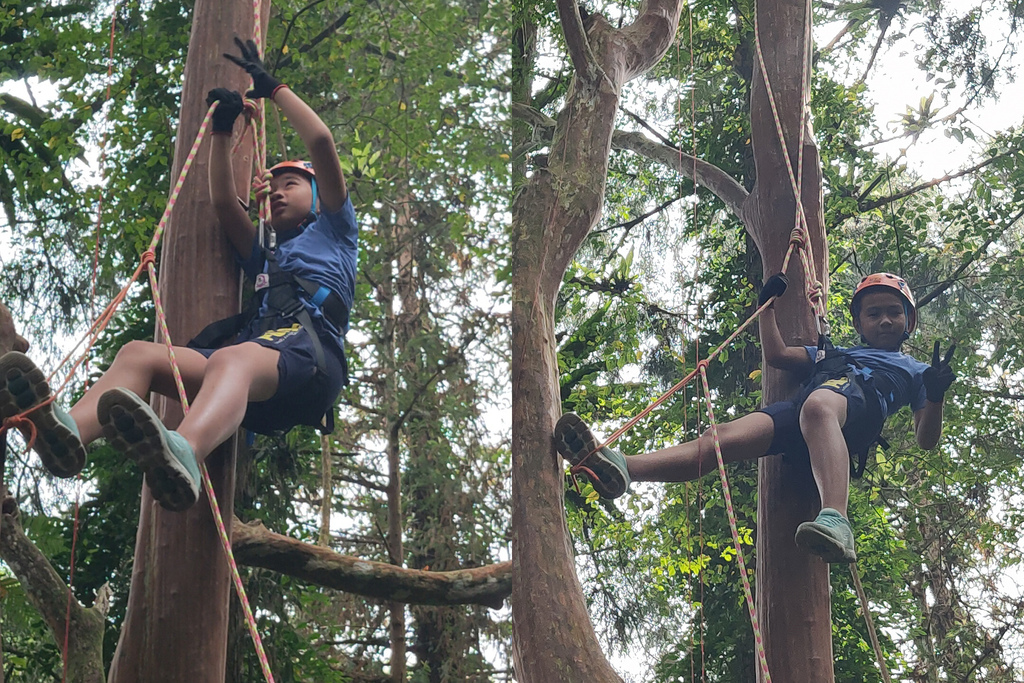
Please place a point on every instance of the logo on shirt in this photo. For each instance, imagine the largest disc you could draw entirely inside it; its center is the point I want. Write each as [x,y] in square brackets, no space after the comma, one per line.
[262,281]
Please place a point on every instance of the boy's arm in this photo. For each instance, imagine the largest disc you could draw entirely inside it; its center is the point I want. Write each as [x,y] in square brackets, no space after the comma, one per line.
[330,181]
[928,425]
[315,134]
[776,352]
[937,379]
[232,217]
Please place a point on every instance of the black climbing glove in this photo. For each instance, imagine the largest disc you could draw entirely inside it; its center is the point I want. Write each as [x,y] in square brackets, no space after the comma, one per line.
[229,106]
[773,286]
[939,376]
[263,84]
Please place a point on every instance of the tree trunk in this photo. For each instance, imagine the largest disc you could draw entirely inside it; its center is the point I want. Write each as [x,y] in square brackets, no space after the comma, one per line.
[792,585]
[176,624]
[553,639]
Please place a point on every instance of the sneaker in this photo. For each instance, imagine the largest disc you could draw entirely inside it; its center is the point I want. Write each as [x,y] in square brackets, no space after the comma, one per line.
[164,456]
[58,442]
[574,441]
[829,536]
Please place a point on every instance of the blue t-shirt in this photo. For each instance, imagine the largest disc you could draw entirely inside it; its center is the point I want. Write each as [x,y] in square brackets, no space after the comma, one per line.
[325,252]
[901,375]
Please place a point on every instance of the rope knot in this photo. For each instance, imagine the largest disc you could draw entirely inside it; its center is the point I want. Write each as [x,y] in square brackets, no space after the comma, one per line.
[815,291]
[148,257]
[22,424]
[798,237]
[249,107]
[702,365]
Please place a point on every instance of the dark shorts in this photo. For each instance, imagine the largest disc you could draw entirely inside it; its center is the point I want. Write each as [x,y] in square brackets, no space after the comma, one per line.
[303,395]
[864,420]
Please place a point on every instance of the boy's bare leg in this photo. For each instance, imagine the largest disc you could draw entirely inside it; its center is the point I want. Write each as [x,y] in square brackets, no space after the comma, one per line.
[235,376]
[141,367]
[821,421]
[742,439]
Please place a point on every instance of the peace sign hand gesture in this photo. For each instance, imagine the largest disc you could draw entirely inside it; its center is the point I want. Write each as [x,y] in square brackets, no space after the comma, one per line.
[939,376]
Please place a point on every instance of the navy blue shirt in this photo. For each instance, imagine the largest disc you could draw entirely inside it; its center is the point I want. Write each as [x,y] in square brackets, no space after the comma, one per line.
[325,252]
[893,369]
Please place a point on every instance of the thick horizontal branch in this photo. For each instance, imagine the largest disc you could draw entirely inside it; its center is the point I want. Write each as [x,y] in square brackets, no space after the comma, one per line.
[721,184]
[256,546]
[882,201]
[709,176]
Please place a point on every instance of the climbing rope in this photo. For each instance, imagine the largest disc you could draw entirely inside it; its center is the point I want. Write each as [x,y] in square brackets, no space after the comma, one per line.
[733,527]
[872,635]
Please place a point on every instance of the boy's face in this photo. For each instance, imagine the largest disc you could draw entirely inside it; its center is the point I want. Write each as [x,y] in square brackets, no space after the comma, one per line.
[291,200]
[882,320]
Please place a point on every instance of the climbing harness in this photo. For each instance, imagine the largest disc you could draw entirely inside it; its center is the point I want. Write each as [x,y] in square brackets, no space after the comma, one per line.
[281,296]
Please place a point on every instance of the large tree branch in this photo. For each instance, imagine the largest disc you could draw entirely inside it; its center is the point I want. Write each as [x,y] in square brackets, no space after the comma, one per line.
[49,595]
[651,35]
[256,546]
[576,41]
[720,183]
[882,201]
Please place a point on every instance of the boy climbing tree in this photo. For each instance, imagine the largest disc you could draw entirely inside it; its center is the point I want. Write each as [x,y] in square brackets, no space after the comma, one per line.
[281,367]
[839,412]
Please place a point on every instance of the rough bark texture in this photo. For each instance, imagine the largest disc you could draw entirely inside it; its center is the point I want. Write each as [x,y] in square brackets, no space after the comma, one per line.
[792,585]
[720,183]
[256,546]
[49,594]
[176,625]
[42,585]
[553,639]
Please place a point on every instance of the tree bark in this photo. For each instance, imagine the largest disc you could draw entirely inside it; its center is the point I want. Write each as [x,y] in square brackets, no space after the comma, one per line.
[792,585]
[553,639]
[176,624]
[48,593]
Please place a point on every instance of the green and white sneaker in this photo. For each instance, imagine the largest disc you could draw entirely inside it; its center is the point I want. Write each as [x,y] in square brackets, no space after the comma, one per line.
[574,441]
[58,442]
[830,536]
[164,456]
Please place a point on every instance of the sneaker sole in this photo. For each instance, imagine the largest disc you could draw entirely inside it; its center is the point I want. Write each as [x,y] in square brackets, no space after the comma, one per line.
[22,386]
[574,441]
[822,544]
[130,427]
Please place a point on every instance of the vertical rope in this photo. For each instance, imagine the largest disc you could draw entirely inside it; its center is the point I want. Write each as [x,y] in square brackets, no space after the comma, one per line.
[747,592]
[865,608]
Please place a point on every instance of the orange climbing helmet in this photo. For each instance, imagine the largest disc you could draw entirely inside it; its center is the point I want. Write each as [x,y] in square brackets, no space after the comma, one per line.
[891,281]
[303,167]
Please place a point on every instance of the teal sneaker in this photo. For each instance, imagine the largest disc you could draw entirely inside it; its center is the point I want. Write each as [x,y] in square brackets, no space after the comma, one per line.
[58,442]
[574,441]
[164,456]
[829,536]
